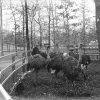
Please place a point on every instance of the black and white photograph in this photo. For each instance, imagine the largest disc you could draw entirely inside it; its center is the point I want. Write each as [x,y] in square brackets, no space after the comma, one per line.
[49,49]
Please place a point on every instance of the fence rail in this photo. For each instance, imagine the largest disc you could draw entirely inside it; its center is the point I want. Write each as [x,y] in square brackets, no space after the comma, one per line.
[10,75]
[94,57]
[13,78]
[5,72]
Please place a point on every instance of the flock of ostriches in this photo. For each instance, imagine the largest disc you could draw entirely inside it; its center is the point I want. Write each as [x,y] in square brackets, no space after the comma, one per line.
[68,64]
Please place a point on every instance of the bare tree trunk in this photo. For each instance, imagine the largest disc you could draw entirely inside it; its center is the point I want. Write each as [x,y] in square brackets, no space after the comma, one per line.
[68,40]
[14,24]
[66,24]
[41,35]
[34,35]
[49,31]
[49,25]
[83,31]
[54,28]
[31,34]
[67,13]
[2,53]
[98,26]
[53,25]
[31,16]
[15,38]
[27,34]
[56,47]
[23,30]
[23,24]
[40,29]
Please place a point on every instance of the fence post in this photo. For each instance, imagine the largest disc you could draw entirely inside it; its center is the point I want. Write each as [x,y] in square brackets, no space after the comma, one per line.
[23,55]
[9,47]
[99,56]
[23,61]
[0,76]
[13,67]
[80,51]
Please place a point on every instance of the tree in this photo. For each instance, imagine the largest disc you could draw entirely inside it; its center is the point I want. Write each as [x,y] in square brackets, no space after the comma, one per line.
[23,13]
[15,21]
[27,33]
[19,39]
[32,13]
[39,22]
[1,31]
[75,34]
[67,14]
[9,39]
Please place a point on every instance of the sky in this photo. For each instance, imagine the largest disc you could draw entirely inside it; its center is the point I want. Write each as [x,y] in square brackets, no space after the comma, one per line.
[8,24]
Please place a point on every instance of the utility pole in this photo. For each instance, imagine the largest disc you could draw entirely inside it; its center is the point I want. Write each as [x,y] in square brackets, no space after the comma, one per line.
[27,33]
[1,32]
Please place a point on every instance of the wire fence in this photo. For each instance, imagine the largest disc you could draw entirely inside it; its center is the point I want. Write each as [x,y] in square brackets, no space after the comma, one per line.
[11,74]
